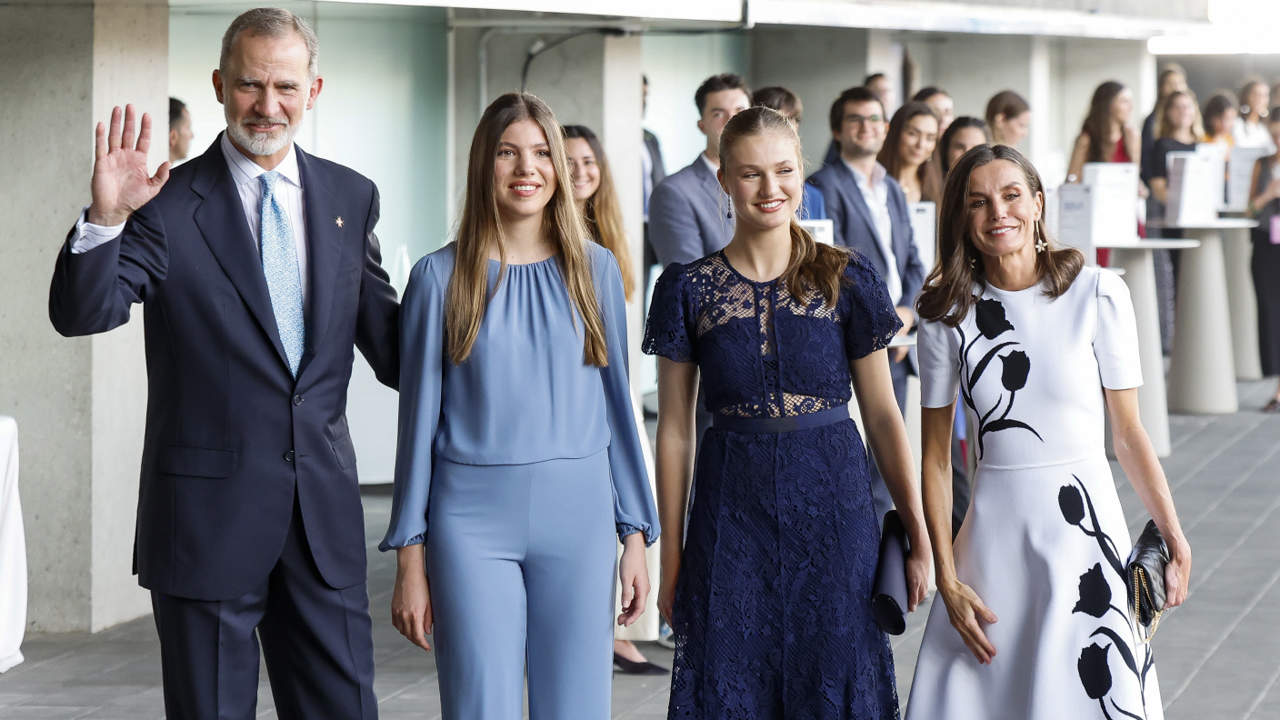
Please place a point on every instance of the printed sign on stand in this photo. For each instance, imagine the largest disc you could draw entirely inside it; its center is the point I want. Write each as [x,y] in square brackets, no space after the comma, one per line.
[924,230]
[1239,173]
[1195,184]
[1099,208]
[824,231]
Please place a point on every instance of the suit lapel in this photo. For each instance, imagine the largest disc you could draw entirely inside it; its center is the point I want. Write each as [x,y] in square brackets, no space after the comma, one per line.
[324,250]
[854,197]
[220,217]
[720,201]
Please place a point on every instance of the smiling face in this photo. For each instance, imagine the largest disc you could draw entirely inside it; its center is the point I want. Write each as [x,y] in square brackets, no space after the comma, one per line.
[1258,98]
[962,141]
[1221,125]
[1122,107]
[1002,210]
[1014,130]
[918,139]
[584,169]
[524,177]
[763,178]
[862,129]
[944,107]
[1181,112]
[265,91]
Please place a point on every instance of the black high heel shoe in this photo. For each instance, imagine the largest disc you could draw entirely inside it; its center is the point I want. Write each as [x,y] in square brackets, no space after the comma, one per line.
[631,667]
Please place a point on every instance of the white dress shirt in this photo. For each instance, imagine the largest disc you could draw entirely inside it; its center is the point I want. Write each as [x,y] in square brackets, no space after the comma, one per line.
[244,174]
[875,192]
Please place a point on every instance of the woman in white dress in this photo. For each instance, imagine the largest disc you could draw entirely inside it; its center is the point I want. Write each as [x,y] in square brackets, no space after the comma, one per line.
[1031,620]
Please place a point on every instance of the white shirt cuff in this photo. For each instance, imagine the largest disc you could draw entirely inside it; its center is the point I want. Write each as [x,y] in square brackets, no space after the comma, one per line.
[90,236]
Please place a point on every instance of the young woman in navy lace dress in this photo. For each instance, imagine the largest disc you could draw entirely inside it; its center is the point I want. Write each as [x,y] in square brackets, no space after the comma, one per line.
[769,599]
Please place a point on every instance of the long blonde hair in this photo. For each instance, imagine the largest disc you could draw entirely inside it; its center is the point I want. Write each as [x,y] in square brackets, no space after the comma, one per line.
[481,228]
[603,211]
[813,267]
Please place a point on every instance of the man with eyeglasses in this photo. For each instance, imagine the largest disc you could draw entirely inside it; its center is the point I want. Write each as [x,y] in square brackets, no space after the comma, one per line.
[869,212]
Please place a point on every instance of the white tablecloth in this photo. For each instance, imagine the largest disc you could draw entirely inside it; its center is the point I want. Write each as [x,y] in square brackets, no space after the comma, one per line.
[13,551]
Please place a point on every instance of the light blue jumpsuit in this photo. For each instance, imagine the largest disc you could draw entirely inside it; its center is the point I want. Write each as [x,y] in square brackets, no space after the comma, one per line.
[517,467]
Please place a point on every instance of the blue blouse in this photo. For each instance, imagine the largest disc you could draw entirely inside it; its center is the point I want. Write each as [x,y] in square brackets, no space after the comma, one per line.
[524,395]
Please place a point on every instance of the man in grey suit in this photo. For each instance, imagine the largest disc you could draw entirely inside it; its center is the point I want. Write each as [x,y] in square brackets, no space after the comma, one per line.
[689,213]
[655,171]
[869,212]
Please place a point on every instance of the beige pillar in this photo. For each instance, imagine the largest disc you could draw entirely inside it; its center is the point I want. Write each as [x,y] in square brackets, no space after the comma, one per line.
[79,403]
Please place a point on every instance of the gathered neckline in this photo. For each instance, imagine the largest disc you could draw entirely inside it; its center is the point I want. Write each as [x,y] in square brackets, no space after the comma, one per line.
[549,258]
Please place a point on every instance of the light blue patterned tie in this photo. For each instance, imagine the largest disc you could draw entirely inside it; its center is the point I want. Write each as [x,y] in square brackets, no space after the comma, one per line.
[280,266]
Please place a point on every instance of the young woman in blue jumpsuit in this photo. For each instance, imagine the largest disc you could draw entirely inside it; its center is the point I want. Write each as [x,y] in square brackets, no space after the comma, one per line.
[519,458]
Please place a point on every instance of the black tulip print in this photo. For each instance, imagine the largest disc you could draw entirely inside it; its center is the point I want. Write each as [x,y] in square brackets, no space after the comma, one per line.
[1016,367]
[1071,504]
[1095,600]
[1095,593]
[1095,673]
[990,318]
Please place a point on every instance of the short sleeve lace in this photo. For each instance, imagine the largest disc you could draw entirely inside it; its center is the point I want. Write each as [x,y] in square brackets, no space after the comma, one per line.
[871,321]
[668,331]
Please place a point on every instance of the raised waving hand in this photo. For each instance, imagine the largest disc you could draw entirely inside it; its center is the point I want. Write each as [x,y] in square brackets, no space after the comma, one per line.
[120,182]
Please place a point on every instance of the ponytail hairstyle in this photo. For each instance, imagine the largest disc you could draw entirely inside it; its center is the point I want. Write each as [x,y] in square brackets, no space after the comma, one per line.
[948,290]
[602,211]
[480,229]
[813,268]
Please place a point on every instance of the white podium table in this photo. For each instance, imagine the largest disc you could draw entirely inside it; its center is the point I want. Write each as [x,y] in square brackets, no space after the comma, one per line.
[1237,252]
[1202,374]
[1135,258]
[13,551]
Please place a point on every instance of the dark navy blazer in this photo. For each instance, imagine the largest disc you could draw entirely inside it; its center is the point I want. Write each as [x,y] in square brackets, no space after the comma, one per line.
[856,228]
[230,435]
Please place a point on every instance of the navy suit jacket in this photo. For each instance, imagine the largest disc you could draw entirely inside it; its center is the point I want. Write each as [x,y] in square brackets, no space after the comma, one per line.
[231,436]
[689,215]
[855,227]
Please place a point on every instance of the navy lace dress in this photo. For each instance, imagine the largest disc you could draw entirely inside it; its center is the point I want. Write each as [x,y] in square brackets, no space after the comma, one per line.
[771,613]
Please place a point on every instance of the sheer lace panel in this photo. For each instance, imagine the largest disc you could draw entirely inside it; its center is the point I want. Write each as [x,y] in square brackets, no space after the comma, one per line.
[726,295]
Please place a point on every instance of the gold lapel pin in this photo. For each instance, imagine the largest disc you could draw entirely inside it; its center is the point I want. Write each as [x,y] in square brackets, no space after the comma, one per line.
[338,221]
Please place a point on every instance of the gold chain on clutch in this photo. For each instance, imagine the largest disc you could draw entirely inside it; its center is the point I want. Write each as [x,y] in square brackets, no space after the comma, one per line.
[1140,573]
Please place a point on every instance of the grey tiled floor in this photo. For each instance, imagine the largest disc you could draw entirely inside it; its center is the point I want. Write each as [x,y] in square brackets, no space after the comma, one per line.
[1218,657]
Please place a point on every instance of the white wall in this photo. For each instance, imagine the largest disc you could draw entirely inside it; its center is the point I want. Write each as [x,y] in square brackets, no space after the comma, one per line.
[816,64]
[676,65]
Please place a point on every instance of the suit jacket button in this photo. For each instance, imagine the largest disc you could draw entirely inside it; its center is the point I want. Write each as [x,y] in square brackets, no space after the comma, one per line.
[297,399]
[288,457]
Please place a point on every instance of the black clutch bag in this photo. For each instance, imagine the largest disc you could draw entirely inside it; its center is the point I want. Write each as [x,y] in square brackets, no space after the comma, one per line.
[1144,576]
[889,597]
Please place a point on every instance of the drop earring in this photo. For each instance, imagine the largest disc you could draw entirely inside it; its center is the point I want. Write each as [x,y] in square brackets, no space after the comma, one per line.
[1041,244]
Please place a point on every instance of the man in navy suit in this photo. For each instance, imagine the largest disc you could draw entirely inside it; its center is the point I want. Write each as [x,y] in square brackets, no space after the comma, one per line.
[869,212]
[689,213]
[260,273]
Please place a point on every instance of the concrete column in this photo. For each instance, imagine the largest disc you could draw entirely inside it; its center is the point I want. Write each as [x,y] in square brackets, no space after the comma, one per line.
[884,54]
[623,135]
[79,403]
[816,64]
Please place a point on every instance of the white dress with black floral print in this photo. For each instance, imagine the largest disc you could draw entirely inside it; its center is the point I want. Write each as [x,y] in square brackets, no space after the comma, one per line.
[1044,540]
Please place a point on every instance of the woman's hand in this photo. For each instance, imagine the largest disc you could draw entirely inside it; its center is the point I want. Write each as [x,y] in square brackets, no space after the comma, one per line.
[1177,574]
[917,575]
[411,601]
[966,611]
[634,575]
